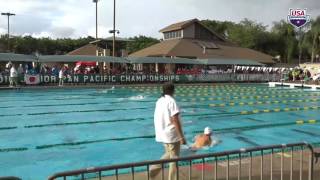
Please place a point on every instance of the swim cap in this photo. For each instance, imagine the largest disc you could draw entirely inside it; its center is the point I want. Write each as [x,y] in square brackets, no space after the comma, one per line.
[207,131]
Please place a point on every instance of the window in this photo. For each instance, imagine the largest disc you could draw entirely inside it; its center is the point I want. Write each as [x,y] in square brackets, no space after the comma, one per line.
[173,35]
[166,35]
[179,34]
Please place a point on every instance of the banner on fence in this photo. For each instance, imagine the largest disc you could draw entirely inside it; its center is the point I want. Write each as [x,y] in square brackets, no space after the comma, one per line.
[47,79]
[32,79]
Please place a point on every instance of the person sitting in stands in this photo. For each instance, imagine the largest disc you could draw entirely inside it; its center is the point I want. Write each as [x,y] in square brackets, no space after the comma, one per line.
[54,70]
[97,69]
[203,140]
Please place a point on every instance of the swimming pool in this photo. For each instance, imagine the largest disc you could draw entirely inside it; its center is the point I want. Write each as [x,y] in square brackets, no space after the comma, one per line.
[43,131]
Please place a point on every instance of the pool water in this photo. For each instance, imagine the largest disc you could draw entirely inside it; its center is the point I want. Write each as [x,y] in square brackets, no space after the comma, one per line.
[44,131]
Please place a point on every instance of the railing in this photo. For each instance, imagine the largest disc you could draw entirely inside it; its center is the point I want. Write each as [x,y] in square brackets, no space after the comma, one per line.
[286,161]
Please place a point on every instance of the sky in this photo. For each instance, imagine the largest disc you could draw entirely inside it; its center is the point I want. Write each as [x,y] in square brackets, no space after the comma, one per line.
[76,18]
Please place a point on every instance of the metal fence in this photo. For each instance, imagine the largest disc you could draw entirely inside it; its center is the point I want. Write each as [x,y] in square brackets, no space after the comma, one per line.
[278,162]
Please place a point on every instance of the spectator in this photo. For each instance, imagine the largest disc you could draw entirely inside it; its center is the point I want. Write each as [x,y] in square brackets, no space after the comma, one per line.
[20,70]
[61,76]
[54,71]
[13,77]
[26,69]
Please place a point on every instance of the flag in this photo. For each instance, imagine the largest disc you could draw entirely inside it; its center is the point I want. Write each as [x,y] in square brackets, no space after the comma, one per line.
[32,79]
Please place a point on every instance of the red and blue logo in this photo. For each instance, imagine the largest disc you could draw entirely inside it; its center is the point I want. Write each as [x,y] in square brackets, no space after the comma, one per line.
[298,17]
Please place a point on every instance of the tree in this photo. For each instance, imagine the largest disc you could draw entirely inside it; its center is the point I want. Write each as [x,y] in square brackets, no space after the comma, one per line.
[249,34]
[25,45]
[45,46]
[315,31]
[305,47]
[140,42]
[220,27]
[2,43]
[282,39]
[287,37]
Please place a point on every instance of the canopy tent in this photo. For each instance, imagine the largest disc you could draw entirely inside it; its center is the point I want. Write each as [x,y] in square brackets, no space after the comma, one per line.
[161,60]
[5,57]
[76,58]
[229,62]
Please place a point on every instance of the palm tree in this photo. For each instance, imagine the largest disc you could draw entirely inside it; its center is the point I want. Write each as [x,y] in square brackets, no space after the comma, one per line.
[315,30]
[287,35]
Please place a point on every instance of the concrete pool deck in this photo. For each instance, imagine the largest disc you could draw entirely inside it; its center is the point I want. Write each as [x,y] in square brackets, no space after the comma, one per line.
[209,172]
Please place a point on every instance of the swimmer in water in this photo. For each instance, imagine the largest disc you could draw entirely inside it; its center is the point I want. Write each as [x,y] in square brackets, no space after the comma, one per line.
[105,90]
[204,139]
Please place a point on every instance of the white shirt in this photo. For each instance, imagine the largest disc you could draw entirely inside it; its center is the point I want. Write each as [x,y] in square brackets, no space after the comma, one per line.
[166,107]
[13,72]
[61,74]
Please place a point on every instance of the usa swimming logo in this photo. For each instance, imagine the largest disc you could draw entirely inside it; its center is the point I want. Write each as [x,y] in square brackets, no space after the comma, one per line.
[298,17]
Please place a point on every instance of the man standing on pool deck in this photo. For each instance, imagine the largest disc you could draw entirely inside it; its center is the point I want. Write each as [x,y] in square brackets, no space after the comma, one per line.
[168,129]
[61,76]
